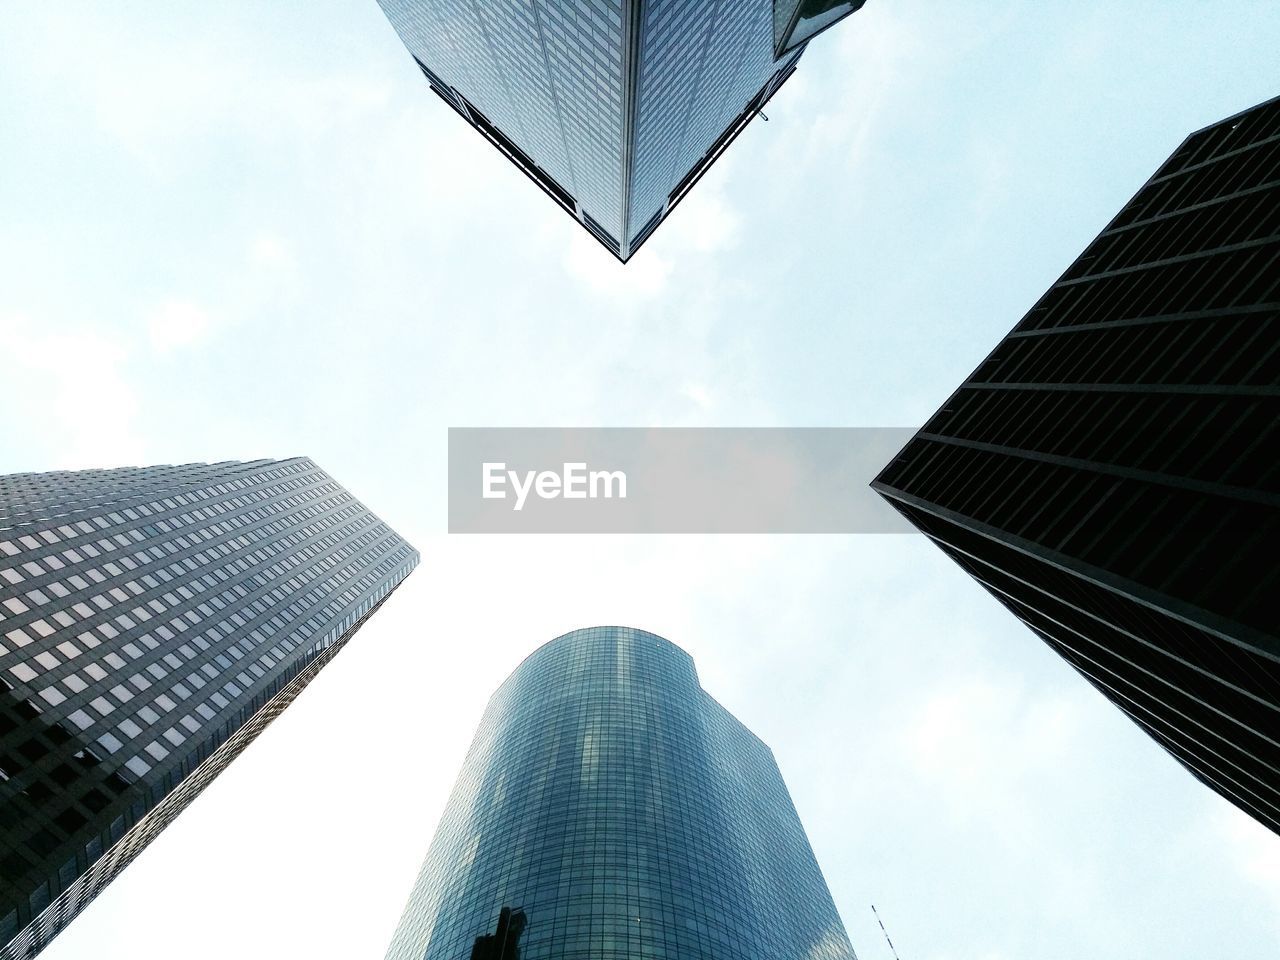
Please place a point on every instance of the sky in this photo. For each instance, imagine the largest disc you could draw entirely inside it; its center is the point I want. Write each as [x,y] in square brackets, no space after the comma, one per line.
[242,230]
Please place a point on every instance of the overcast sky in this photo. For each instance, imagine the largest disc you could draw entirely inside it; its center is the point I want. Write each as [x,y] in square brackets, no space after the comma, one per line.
[239,229]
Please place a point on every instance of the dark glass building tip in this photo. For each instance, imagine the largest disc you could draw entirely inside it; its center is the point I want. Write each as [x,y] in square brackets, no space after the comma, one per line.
[504,943]
[1110,474]
[796,22]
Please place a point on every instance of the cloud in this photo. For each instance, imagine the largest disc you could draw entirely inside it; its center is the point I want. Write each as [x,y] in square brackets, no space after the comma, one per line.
[1254,849]
[705,222]
[80,408]
[269,250]
[177,323]
[159,87]
[589,264]
[700,395]
[977,731]
[872,64]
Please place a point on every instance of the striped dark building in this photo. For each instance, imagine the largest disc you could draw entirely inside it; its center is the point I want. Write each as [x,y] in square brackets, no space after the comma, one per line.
[152,622]
[1111,472]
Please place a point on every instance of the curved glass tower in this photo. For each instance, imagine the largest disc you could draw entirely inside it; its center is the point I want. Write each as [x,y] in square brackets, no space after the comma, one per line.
[610,809]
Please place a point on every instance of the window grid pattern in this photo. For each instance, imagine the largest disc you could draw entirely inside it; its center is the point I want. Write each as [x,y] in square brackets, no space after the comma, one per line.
[701,63]
[548,73]
[1109,472]
[150,618]
[627,814]
[613,106]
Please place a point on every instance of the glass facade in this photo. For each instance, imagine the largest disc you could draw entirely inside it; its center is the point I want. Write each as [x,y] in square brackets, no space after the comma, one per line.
[547,74]
[1110,474]
[152,621]
[610,809]
[702,62]
[613,107]
[795,22]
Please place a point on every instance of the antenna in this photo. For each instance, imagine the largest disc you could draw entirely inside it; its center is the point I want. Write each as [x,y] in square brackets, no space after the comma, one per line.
[885,932]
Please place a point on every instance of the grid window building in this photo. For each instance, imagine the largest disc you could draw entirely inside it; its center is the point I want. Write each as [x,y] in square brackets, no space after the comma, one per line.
[152,622]
[614,108]
[1110,471]
[610,809]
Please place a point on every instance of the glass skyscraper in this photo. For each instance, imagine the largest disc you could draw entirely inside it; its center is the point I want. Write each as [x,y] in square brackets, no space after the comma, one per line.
[614,107]
[610,809]
[1111,472]
[152,622]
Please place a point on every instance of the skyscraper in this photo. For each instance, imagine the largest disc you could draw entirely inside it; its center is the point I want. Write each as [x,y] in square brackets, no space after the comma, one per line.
[152,622]
[610,809]
[1110,473]
[615,108]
